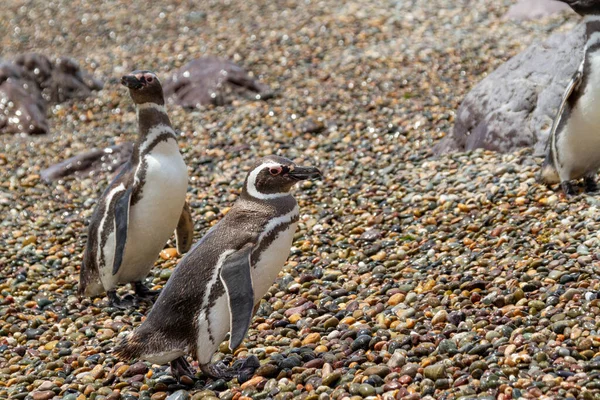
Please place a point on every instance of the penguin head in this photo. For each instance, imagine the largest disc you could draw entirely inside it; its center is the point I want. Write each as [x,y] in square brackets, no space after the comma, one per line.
[144,87]
[273,176]
[584,7]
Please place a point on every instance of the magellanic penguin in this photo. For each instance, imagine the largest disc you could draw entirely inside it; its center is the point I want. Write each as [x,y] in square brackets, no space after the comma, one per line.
[574,142]
[216,286]
[142,206]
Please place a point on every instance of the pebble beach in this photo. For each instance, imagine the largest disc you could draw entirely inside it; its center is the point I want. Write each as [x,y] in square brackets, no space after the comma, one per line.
[410,276]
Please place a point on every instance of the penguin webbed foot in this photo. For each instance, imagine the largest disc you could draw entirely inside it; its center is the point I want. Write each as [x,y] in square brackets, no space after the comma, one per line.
[245,368]
[589,182]
[180,367]
[120,303]
[218,371]
[568,188]
[242,369]
[143,293]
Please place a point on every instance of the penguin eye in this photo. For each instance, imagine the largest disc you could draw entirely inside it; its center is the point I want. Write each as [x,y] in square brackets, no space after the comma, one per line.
[149,79]
[275,170]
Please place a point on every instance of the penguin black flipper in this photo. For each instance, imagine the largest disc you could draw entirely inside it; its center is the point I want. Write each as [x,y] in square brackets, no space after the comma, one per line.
[237,280]
[571,90]
[184,234]
[121,222]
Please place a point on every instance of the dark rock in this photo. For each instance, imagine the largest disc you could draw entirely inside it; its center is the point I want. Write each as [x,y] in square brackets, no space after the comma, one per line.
[315,363]
[59,81]
[480,348]
[179,395]
[379,370]
[312,126]
[410,370]
[42,395]
[20,110]
[447,346]
[210,80]
[361,342]
[435,371]
[515,105]
[267,370]
[366,390]
[474,284]
[21,350]
[442,384]
[218,385]
[370,235]
[95,160]
[394,385]
[290,362]
[299,310]
[166,379]
[331,378]
[31,333]
[535,9]
[139,368]
[559,326]
[33,81]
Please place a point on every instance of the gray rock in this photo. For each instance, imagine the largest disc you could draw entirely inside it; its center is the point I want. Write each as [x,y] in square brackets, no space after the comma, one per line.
[31,82]
[397,360]
[379,370]
[91,162]
[435,371]
[366,390]
[515,105]
[179,395]
[534,9]
[410,370]
[211,80]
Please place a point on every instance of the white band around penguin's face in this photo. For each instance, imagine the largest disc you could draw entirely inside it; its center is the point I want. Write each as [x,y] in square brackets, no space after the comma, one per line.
[152,106]
[251,185]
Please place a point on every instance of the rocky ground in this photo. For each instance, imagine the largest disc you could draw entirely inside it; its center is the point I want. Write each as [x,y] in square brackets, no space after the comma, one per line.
[455,277]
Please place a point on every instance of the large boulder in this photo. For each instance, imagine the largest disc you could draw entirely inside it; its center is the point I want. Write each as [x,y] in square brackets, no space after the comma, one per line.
[211,80]
[22,108]
[90,163]
[33,81]
[534,9]
[515,105]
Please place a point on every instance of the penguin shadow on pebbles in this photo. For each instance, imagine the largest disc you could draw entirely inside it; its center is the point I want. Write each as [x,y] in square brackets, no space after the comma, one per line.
[217,286]
[138,212]
[573,150]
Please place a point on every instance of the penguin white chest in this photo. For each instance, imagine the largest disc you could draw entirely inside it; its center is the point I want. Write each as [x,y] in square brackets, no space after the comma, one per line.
[154,217]
[264,272]
[271,261]
[579,143]
[590,100]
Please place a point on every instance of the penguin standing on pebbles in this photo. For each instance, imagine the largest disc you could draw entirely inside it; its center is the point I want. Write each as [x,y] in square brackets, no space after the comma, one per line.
[142,206]
[215,288]
[574,142]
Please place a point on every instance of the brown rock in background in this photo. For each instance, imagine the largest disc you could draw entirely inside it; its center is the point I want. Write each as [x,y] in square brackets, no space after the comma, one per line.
[109,159]
[32,82]
[210,80]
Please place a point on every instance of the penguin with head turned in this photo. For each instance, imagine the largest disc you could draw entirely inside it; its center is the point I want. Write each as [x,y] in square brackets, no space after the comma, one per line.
[138,212]
[217,285]
[573,150]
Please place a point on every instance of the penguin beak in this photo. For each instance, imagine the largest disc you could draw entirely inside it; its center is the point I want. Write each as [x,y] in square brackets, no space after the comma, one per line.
[132,82]
[303,173]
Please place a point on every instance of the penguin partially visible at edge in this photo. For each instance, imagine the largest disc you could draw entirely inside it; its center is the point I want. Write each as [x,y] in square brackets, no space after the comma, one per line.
[217,285]
[573,149]
[142,206]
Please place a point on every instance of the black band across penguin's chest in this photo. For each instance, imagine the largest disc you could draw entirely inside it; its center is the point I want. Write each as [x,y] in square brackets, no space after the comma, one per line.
[143,165]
